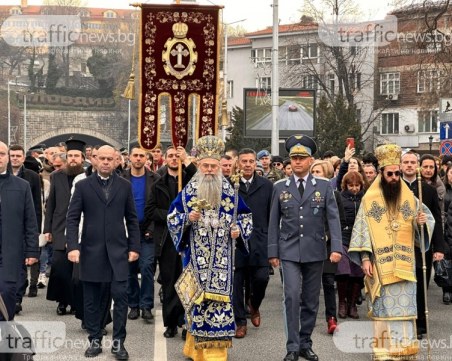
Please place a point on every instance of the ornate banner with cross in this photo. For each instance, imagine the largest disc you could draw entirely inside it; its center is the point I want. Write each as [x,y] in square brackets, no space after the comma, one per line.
[179,58]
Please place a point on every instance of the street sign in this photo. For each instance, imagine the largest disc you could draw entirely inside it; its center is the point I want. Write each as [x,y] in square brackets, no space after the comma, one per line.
[445,130]
[445,147]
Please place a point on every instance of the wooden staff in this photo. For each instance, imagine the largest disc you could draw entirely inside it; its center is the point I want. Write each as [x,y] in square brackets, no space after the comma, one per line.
[424,264]
[179,175]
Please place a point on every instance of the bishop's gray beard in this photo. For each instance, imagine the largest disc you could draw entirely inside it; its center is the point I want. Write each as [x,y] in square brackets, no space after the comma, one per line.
[209,187]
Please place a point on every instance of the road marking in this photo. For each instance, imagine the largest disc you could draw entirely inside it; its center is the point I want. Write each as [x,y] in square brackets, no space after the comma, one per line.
[159,339]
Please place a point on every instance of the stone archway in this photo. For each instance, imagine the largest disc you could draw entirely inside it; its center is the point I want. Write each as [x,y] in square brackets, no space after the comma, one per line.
[41,138]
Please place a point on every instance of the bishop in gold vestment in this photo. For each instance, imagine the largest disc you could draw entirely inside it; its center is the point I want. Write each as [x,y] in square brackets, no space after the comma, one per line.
[383,240]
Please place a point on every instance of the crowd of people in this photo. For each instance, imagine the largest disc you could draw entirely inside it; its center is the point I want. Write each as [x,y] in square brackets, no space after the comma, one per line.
[100,228]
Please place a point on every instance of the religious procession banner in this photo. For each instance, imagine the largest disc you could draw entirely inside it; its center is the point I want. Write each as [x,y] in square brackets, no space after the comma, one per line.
[179,57]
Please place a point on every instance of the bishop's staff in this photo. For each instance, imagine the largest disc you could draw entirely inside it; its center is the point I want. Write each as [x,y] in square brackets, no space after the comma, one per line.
[235,178]
[424,264]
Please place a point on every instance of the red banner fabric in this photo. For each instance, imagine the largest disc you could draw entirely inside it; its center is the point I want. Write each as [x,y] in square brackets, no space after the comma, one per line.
[179,57]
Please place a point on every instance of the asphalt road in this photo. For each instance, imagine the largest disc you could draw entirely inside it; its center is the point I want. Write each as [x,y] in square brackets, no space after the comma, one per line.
[146,341]
[288,120]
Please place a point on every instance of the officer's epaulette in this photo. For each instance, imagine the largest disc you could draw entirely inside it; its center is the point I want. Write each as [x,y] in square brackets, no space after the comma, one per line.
[322,178]
[282,180]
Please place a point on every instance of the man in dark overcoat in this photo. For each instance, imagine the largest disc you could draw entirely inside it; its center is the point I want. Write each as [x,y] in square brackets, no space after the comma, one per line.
[256,191]
[18,231]
[110,240]
[163,192]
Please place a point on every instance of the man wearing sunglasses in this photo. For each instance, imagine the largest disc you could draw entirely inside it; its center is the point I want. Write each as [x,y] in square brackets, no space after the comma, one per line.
[383,243]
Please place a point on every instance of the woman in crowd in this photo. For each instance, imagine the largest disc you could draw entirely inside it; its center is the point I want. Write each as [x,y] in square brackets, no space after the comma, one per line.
[350,163]
[324,169]
[349,276]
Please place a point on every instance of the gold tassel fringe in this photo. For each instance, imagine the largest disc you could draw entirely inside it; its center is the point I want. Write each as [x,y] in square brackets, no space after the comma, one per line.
[129,92]
[213,344]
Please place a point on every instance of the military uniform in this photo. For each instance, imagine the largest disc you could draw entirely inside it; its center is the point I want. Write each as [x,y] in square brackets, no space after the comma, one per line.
[297,237]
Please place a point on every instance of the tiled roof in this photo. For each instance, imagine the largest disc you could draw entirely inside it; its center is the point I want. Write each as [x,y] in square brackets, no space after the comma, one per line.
[289,28]
[238,41]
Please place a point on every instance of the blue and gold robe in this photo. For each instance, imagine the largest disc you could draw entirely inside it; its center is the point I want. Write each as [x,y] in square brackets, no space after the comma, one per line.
[207,245]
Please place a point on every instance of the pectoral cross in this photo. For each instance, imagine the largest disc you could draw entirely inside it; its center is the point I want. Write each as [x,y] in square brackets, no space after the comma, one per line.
[201,204]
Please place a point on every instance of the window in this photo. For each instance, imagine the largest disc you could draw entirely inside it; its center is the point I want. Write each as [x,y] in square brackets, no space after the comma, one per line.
[428,81]
[309,82]
[84,13]
[331,83]
[390,123]
[389,83]
[310,51]
[261,56]
[15,11]
[264,82]
[110,14]
[290,55]
[434,42]
[428,121]
[230,89]
[355,80]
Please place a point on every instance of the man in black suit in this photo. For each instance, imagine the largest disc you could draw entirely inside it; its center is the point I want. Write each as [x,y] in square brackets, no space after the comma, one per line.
[16,161]
[110,240]
[18,235]
[60,287]
[163,192]
[430,198]
[141,297]
[256,191]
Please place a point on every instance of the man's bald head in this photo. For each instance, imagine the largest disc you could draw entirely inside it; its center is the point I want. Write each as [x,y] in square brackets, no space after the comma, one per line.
[106,156]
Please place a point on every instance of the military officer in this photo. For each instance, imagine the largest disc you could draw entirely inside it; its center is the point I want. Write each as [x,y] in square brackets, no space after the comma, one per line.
[296,241]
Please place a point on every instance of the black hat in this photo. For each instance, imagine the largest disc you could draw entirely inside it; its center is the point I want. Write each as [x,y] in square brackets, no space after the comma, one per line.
[32,164]
[277,159]
[123,151]
[75,144]
[446,160]
[301,146]
[37,149]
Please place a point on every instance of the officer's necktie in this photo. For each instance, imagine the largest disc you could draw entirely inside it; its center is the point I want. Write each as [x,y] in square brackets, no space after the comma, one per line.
[301,187]
[247,185]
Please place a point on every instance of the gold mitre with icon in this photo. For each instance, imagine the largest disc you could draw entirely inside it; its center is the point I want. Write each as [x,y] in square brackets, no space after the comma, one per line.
[388,154]
[209,146]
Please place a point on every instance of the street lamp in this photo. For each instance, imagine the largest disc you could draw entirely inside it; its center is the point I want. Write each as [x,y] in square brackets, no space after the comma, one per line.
[430,143]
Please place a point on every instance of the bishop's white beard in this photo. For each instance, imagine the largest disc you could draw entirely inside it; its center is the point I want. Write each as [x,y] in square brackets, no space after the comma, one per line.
[209,187]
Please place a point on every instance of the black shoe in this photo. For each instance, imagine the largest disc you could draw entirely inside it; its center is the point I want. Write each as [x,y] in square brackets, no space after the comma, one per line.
[146,314]
[18,308]
[170,332]
[161,294]
[308,354]
[446,298]
[61,310]
[291,356]
[33,291]
[184,334]
[120,352]
[94,349]
[133,314]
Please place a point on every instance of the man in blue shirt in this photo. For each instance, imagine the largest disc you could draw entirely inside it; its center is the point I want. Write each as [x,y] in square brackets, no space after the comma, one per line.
[141,297]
